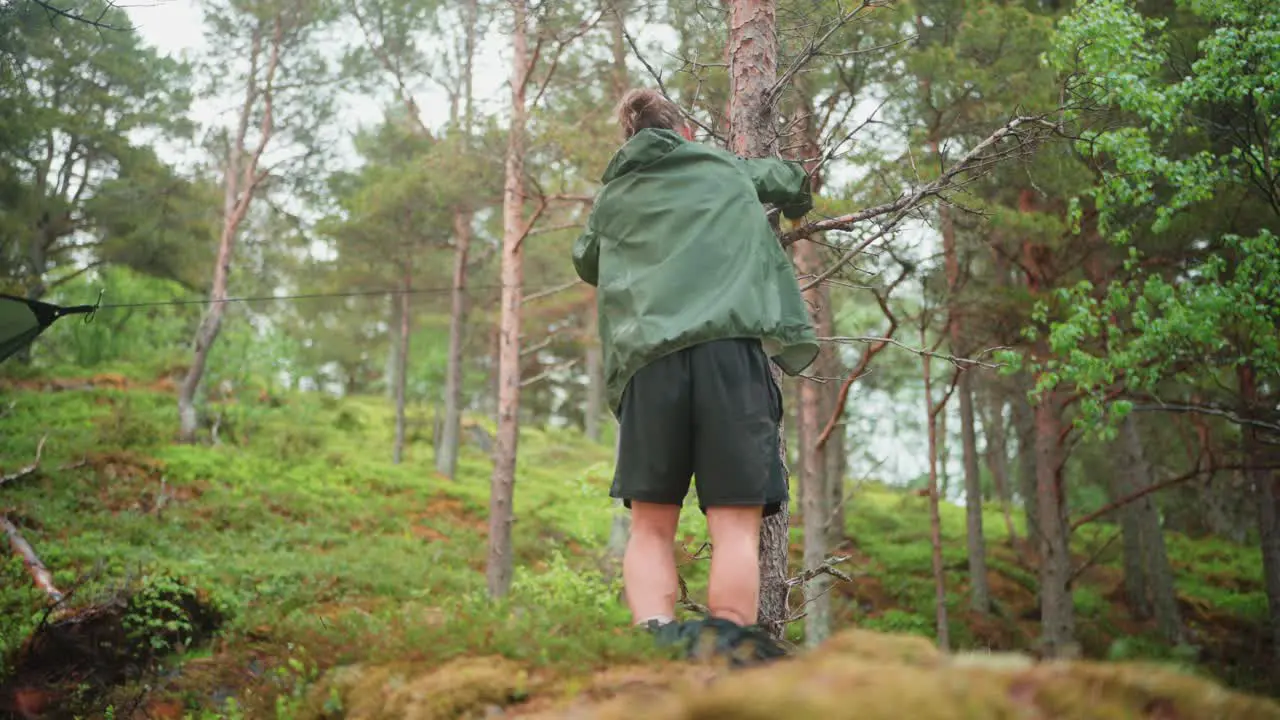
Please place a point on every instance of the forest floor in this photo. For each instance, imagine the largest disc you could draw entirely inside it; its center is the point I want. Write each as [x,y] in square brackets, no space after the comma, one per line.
[239,575]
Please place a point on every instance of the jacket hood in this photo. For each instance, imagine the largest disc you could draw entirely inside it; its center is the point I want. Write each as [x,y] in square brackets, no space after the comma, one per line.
[644,148]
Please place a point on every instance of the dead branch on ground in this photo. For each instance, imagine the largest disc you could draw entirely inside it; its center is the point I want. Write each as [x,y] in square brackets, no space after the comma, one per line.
[39,573]
[23,472]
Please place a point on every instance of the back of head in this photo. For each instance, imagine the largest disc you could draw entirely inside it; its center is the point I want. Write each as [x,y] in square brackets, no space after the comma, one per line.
[643,108]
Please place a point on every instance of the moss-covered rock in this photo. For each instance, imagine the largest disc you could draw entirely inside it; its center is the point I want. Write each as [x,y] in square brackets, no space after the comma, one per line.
[856,674]
[469,687]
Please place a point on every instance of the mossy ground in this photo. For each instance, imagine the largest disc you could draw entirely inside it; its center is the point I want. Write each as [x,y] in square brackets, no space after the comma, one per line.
[321,553]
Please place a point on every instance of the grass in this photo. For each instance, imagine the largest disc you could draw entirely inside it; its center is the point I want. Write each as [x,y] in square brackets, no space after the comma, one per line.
[321,552]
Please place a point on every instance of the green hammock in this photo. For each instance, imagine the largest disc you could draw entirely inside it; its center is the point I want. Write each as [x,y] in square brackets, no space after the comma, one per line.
[22,321]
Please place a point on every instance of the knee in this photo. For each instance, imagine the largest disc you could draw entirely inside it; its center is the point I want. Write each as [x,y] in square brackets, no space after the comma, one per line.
[651,521]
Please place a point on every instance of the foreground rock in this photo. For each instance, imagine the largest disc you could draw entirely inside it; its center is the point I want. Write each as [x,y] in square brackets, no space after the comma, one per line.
[856,674]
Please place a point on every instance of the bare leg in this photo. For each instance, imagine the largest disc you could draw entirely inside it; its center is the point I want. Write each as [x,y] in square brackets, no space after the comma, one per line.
[649,566]
[734,592]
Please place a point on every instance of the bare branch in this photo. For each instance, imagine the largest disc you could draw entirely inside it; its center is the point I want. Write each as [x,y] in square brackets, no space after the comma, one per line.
[959,362]
[548,372]
[814,47]
[56,12]
[662,88]
[550,291]
[975,159]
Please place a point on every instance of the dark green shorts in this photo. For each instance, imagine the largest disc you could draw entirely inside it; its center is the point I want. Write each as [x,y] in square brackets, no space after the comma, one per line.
[711,411]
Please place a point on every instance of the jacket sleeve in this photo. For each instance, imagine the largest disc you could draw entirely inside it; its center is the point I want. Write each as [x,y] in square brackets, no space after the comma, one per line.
[586,256]
[783,183]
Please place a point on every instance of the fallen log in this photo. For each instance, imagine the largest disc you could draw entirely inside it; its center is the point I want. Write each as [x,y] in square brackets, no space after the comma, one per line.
[39,573]
[23,472]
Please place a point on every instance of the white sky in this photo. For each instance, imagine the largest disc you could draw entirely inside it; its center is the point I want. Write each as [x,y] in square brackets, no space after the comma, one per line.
[174,27]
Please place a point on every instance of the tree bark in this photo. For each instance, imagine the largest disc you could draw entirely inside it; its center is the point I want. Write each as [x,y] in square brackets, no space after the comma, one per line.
[393,351]
[997,457]
[594,412]
[1125,481]
[979,587]
[451,427]
[1158,573]
[502,485]
[1267,494]
[620,527]
[402,364]
[935,519]
[1057,613]
[813,475]
[240,181]
[753,67]
[1025,427]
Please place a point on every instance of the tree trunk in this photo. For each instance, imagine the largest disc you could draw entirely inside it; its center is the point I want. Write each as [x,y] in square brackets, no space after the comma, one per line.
[1057,614]
[239,183]
[393,351]
[402,364]
[1267,494]
[1158,575]
[1025,427]
[502,487]
[620,529]
[997,457]
[813,475]
[594,413]
[979,588]
[1125,481]
[450,430]
[836,468]
[935,519]
[753,67]
[944,457]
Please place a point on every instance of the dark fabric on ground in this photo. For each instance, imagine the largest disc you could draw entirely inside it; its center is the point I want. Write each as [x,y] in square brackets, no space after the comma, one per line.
[711,411]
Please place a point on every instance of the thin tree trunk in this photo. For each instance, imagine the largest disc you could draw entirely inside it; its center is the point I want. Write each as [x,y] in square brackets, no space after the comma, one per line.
[450,430]
[1025,426]
[944,457]
[402,364]
[836,467]
[997,457]
[935,519]
[620,530]
[979,587]
[594,412]
[753,67]
[393,351]
[1057,614]
[1267,494]
[813,475]
[502,488]
[1155,556]
[240,182]
[620,527]
[1125,481]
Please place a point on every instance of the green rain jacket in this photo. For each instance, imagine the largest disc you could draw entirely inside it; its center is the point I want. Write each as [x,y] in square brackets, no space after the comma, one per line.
[681,253]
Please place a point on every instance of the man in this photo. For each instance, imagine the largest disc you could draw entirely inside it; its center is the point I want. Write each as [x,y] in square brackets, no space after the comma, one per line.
[694,296]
